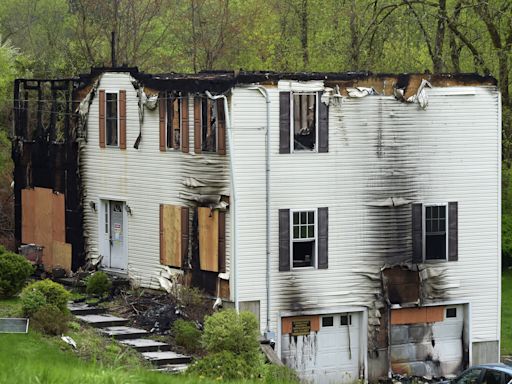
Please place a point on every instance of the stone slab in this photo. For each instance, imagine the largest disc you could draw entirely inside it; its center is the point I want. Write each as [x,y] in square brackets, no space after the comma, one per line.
[146,345]
[168,357]
[172,368]
[123,333]
[85,309]
[101,321]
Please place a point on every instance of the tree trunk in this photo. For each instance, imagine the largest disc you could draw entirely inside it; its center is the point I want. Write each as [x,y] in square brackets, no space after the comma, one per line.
[354,38]
[438,47]
[304,33]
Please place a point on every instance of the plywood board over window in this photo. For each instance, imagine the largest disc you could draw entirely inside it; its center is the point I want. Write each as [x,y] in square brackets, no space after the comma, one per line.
[43,223]
[173,235]
[208,226]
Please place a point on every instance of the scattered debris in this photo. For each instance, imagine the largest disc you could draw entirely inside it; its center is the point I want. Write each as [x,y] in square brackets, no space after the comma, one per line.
[69,341]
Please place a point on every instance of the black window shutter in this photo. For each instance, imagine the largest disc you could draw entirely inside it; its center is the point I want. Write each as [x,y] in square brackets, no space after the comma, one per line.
[453,232]
[323,125]
[417,233]
[284,122]
[284,239]
[323,232]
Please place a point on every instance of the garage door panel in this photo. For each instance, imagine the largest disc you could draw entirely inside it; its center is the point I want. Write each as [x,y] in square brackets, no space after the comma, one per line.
[331,355]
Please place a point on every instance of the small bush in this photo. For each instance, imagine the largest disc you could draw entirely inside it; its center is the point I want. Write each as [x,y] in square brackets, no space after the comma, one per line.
[98,284]
[50,320]
[229,331]
[187,335]
[280,374]
[227,365]
[53,294]
[14,271]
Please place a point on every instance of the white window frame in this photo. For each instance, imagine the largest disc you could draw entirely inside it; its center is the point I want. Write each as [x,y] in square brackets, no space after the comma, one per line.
[180,119]
[117,119]
[292,240]
[292,121]
[424,231]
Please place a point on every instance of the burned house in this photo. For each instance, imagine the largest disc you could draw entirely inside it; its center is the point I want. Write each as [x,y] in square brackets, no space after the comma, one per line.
[357,215]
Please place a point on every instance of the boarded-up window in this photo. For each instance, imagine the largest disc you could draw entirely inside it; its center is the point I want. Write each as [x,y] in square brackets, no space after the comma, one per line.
[43,223]
[173,235]
[212,242]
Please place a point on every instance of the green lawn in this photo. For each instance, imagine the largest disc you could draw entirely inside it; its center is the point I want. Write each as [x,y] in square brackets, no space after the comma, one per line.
[506,313]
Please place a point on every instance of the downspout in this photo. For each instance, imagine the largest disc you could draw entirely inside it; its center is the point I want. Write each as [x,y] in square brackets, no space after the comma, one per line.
[268,334]
[233,192]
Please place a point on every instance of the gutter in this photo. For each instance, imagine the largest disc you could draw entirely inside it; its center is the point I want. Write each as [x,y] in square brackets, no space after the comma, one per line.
[268,334]
[233,192]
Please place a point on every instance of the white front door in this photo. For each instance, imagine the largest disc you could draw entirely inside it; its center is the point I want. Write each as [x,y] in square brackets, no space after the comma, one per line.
[114,237]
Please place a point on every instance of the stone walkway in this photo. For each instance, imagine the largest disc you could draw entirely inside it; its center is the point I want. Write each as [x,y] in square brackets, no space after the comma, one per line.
[156,352]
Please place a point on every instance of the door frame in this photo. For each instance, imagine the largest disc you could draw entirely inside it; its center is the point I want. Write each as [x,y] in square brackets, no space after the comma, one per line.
[103,241]
[363,311]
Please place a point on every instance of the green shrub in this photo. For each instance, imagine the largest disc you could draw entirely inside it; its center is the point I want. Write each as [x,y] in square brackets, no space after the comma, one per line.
[50,320]
[187,335]
[53,294]
[14,271]
[280,374]
[506,240]
[227,365]
[229,331]
[98,284]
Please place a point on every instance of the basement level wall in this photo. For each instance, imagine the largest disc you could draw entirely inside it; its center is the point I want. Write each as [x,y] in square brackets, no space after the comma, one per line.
[379,148]
[144,178]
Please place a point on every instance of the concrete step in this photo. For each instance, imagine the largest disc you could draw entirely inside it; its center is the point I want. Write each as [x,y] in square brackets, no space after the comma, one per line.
[164,358]
[102,321]
[85,309]
[146,345]
[123,333]
[172,368]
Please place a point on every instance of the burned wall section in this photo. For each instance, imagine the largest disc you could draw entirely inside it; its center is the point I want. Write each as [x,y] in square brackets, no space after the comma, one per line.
[45,151]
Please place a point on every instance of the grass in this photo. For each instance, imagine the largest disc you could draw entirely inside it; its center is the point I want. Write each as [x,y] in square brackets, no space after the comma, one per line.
[506,312]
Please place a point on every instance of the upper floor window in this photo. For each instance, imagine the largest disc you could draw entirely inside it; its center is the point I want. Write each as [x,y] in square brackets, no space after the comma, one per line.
[174,122]
[209,126]
[303,238]
[303,122]
[111,119]
[435,232]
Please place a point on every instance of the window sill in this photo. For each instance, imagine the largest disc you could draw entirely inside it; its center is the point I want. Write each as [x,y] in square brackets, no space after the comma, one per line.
[435,261]
[296,269]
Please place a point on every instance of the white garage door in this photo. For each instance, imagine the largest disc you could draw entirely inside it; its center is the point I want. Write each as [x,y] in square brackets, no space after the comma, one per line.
[330,355]
[429,349]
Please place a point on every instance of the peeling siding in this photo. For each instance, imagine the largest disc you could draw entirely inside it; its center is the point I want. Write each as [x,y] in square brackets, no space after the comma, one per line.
[379,148]
[144,178]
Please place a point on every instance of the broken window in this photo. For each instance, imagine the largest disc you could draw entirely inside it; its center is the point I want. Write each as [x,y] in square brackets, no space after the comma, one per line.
[174,122]
[304,121]
[111,119]
[209,119]
[435,232]
[303,239]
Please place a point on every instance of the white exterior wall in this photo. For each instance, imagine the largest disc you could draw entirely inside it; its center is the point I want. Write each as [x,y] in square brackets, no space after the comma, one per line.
[144,178]
[448,152]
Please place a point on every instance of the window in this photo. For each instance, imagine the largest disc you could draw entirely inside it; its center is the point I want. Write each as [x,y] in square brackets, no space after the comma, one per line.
[111,119]
[208,125]
[304,121]
[303,239]
[469,377]
[174,122]
[345,320]
[435,232]
[327,321]
[451,312]
[491,377]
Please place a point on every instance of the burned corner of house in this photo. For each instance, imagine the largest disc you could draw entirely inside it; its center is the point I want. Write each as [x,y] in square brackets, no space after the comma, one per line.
[47,185]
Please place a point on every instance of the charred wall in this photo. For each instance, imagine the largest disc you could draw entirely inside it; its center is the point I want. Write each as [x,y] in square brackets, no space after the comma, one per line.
[45,151]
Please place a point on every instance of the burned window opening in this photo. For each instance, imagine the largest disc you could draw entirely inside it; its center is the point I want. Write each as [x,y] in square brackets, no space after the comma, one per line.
[435,232]
[174,121]
[111,119]
[304,121]
[303,239]
[209,118]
